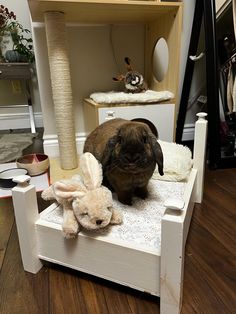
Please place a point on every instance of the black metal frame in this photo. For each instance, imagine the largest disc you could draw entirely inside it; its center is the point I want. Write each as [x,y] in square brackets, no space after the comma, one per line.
[205,9]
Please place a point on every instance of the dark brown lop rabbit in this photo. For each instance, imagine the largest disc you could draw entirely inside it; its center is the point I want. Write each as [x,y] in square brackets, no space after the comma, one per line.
[128,152]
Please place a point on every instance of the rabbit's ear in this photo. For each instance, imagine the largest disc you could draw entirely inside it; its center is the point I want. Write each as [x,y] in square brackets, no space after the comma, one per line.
[156,147]
[67,190]
[108,151]
[91,171]
[119,78]
[128,64]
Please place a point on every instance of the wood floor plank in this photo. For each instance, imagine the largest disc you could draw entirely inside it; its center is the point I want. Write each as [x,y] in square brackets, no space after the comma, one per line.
[94,296]
[6,223]
[218,266]
[65,294]
[198,294]
[222,200]
[121,299]
[69,293]
[21,292]
[217,213]
[224,178]
[141,303]
[218,224]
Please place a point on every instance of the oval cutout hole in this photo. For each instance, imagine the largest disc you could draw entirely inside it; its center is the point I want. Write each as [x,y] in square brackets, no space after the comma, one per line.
[160,59]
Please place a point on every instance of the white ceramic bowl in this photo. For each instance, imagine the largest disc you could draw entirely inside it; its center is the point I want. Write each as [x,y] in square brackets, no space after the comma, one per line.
[7,175]
[34,163]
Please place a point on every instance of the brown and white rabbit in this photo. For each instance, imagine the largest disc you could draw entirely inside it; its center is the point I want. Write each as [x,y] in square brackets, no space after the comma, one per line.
[133,80]
[128,152]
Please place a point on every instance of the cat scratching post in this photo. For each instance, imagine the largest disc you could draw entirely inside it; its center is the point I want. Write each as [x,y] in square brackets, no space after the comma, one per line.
[61,87]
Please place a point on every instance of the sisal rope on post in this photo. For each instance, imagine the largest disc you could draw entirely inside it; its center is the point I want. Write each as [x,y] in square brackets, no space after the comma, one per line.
[61,87]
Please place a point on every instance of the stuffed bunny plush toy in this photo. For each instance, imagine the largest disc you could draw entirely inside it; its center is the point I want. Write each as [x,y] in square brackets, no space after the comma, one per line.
[133,80]
[86,203]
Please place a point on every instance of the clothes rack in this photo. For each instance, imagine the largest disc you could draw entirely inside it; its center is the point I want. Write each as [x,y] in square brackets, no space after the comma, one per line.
[205,10]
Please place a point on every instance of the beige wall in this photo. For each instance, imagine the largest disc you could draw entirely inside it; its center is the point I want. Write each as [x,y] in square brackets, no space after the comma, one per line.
[93,65]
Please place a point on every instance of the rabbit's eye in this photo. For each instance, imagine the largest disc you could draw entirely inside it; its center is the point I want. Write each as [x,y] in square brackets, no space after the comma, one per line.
[119,139]
[145,139]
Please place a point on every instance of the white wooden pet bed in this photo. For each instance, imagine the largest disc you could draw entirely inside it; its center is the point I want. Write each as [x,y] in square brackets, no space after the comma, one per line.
[151,265]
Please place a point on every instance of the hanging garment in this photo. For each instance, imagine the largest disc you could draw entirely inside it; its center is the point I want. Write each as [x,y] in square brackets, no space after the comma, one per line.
[234,96]
[230,84]
[223,89]
[234,16]
[222,114]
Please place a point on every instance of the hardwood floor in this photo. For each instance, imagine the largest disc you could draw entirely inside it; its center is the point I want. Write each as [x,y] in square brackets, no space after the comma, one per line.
[209,277]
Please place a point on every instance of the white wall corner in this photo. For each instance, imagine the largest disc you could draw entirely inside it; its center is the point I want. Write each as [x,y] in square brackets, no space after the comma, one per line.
[51,146]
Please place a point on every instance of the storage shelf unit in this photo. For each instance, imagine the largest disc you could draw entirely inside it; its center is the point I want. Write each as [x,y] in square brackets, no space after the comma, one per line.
[161,20]
[161,115]
[90,11]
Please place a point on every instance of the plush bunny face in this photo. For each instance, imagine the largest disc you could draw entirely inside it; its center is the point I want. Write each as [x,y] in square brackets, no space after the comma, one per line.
[94,210]
[85,201]
[133,80]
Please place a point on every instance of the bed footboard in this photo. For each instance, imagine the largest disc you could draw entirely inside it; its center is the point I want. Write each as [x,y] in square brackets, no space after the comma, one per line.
[174,231]
[175,227]
[26,213]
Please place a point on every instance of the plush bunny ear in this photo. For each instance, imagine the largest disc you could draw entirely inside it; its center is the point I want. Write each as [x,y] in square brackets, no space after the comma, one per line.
[119,78]
[69,190]
[91,171]
[128,64]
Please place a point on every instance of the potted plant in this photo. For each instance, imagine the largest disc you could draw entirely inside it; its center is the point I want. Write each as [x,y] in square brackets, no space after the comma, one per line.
[14,34]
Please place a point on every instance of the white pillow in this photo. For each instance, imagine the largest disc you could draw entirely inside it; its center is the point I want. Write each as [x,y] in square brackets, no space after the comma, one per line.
[148,96]
[177,162]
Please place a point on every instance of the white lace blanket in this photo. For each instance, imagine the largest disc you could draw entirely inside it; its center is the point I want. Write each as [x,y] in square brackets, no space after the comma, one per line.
[149,96]
[141,221]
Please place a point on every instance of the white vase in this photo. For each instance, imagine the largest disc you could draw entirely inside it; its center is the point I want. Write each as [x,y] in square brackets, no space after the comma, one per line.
[6,43]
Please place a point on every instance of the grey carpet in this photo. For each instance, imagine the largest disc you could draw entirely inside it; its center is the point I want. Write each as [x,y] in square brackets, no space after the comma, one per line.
[12,145]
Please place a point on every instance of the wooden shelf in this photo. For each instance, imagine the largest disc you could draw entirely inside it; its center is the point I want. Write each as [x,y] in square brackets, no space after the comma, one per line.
[94,11]
[18,70]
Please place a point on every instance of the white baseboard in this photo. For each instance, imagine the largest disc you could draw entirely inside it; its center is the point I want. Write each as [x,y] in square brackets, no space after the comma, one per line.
[19,120]
[51,146]
[188,132]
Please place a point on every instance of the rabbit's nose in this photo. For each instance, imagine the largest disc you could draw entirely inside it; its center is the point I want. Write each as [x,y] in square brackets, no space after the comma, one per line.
[132,158]
[99,222]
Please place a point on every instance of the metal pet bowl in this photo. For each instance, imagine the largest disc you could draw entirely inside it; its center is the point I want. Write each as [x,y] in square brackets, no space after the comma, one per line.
[7,175]
[34,163]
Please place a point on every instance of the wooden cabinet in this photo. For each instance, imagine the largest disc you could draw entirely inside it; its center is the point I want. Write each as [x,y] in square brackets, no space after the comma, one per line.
[161,115]
[9,71]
